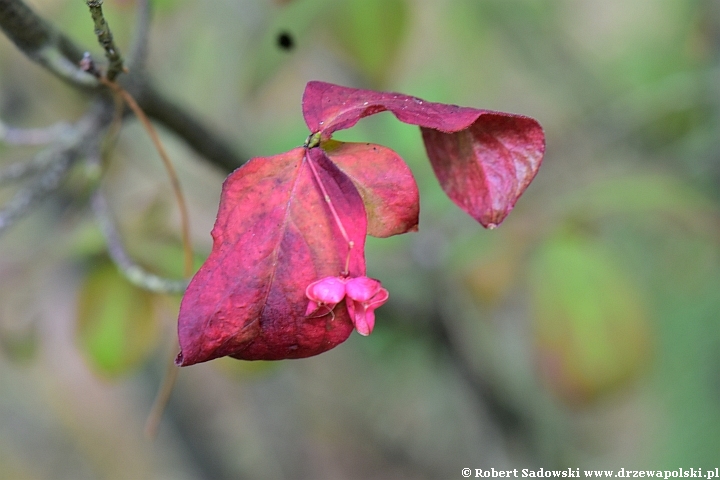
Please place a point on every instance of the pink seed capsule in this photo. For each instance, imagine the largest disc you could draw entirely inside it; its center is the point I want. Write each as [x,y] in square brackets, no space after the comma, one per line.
[326,292]
[364,295]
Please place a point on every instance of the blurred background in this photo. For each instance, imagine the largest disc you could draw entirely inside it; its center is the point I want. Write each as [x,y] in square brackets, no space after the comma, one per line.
[582,333]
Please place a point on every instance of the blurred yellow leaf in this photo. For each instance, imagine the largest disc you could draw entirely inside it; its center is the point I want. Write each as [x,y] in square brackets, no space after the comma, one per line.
[591,324]
[491,276]
[242,370]
[116,328]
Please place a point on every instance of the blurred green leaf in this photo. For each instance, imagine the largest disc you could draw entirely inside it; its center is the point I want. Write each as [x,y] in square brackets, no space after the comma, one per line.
[371,32]
[591,324]
[166,6]
[116,327]
[639,194]
[87,241]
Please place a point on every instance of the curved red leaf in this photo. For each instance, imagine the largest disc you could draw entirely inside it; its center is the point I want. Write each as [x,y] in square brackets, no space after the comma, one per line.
[484,169]
[274,235]
[385,183]
[484,160]
[328,108]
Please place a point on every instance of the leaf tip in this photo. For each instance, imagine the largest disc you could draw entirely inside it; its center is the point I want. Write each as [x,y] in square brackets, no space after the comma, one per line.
[180,360]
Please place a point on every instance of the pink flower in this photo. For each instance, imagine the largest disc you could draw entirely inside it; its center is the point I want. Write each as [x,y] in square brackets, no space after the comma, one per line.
[362,296]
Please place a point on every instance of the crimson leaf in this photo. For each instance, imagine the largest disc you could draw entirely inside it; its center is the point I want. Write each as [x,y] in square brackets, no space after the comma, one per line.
[484,160]
[274,235]
[385,183]
[286,274]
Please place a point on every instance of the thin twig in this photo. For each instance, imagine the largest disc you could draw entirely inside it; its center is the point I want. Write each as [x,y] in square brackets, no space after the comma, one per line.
[199,136]
[20,170]
[113,131]
[138,276]
[32,136]
[105,37]
[45,183]
[508,416]
[44,44]
[175,182]
[132,271]
[85,135]
[162,398]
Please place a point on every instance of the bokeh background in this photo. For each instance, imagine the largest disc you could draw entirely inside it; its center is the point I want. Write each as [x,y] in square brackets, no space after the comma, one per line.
[582,333]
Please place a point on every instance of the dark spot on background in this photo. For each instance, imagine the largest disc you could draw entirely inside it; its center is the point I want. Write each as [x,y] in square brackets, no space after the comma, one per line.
[285,41]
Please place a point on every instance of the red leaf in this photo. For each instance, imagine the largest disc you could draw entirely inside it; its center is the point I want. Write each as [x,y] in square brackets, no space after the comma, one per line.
[484,160]
[274,235]
[328,108]
[384,182]
[485,168]
[286,275]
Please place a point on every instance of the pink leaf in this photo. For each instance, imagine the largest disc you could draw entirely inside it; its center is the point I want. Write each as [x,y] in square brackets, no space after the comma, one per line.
[484,160]
[384,182]
[274,235]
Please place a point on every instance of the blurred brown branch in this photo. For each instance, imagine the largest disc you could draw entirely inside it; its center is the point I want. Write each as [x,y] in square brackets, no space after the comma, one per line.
[131,270]
[52,166]
[43,43]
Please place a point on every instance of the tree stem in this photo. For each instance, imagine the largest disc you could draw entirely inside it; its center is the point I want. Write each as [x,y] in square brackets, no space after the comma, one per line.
[133,272]
[44,44]
[105,37]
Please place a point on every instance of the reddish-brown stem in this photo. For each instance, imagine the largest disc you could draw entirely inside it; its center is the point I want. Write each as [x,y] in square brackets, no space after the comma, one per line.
[350,243]
[162,398]
[153,420]
[184,218]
